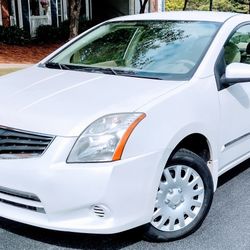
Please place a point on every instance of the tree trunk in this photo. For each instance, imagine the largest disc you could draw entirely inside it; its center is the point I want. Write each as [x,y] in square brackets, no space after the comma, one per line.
[210,5]
[75,8]
[143,6]
[185,4]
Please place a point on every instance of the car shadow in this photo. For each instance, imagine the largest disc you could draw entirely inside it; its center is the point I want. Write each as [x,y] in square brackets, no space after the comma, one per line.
[72,240]
[223,179]
[90,241]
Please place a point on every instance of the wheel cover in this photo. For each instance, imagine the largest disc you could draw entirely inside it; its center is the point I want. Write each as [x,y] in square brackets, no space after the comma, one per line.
[179,198]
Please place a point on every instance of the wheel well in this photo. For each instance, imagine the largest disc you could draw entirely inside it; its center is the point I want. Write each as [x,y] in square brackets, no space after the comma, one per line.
[198,144]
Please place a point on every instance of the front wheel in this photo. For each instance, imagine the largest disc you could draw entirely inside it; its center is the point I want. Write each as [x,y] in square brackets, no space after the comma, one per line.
[183,199]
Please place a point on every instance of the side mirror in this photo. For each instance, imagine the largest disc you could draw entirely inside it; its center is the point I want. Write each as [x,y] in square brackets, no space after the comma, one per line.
[235,73]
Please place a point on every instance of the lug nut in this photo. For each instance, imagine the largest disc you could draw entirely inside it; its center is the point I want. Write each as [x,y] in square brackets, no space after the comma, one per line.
[167,201]
[179,190]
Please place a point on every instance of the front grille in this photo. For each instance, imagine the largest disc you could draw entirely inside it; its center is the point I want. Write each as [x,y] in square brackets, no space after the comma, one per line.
[21,200]
[21,144]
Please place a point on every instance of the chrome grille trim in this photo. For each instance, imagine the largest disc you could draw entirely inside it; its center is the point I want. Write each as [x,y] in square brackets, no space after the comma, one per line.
[20,199]
[19,194]
[16,144]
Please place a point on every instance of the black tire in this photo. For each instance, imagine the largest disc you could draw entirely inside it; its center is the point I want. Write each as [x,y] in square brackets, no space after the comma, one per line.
[190,159]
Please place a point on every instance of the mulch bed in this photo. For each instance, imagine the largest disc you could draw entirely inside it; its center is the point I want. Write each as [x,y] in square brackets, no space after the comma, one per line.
[27,54]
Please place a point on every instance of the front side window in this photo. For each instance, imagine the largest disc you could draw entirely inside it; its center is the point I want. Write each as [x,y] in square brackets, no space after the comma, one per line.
[157,49]
[237,49]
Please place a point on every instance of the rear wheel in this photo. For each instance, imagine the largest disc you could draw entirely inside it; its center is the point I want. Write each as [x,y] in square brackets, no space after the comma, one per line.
[183,199]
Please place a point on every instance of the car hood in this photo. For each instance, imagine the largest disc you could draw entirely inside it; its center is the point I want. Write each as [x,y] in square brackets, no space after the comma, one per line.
[61,102]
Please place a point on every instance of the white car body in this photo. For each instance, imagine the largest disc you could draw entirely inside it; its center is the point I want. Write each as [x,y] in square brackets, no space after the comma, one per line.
[64,103]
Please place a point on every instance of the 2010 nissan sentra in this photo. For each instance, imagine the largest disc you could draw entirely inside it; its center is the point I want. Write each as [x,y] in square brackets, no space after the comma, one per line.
[129,124]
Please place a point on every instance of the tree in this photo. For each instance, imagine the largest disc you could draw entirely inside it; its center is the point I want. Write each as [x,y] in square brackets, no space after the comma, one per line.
[75,8]
[210,5]
[185,4]
[241,6]
[143,4]
[174,5]
[245,3]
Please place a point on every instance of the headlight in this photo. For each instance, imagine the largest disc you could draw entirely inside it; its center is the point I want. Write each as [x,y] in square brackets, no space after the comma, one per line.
[105,138]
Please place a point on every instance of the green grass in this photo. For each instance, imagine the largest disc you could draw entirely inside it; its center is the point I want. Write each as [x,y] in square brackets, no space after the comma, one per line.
[7,71]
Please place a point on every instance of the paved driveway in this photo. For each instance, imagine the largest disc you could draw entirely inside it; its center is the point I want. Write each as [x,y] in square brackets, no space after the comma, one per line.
[226,227]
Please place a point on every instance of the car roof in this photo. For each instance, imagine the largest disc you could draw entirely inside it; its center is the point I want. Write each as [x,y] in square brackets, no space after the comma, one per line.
[181,15]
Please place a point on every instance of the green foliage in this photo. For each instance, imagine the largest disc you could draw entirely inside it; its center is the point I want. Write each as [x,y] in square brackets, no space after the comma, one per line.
[64,30]
[218,5]
[174,4]
[85,25]
[113,46]
[51,34]
[48,34]
[13,35]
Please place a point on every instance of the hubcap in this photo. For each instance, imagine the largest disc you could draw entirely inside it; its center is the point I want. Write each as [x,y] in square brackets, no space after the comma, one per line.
[179,198]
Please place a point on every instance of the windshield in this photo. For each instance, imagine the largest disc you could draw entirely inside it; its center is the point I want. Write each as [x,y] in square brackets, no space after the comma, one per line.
[152,49]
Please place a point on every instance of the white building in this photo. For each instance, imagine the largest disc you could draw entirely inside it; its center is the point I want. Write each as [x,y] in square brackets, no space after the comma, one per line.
[29,14]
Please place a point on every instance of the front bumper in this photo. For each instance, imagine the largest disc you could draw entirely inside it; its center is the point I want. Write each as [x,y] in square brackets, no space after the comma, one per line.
[125,191]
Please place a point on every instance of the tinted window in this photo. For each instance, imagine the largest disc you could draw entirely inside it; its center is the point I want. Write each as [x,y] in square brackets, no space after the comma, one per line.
[237,49]
[164,49]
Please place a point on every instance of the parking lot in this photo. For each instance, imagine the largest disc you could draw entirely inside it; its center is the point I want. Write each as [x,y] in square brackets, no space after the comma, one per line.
[226,227]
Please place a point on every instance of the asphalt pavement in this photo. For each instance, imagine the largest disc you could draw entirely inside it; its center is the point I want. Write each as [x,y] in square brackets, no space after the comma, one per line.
[226,227]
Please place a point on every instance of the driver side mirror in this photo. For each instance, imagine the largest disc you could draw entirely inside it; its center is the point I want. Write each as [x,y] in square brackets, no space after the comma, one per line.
[235,73]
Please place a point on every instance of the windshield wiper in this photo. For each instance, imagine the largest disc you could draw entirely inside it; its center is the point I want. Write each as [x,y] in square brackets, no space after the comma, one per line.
[93,69]
[128,73]
[120,72]
[131,73]
[53,65]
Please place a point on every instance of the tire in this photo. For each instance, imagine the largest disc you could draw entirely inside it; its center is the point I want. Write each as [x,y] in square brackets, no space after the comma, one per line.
[183,199]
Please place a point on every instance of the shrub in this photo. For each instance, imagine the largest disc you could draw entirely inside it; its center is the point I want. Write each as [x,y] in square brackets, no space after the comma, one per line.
[51,34]
[13,35]
[64,30]
[1,33]
[85,25]
[48,34]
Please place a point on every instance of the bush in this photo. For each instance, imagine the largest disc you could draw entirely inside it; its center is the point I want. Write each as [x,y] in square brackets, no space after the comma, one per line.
[13,35]
[1,33]
[64,30]
[85,25]
[48,34]
[51,34]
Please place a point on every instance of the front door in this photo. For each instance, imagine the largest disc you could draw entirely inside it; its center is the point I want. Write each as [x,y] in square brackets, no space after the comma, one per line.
[235,102]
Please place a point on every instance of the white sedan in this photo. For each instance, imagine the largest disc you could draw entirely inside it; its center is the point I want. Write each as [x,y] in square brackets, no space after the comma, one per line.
[130,124]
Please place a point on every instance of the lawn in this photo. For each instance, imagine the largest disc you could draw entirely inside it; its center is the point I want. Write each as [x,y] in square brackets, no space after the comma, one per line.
[6,71]
[28,54]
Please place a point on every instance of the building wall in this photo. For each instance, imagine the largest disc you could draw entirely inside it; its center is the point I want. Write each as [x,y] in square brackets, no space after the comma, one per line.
[5,13]
[1,19]
[152,6]
[96,9]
